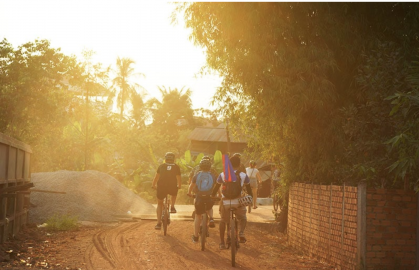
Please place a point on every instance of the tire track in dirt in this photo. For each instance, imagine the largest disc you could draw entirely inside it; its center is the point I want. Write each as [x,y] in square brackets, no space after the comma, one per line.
[112,246]
[132,246]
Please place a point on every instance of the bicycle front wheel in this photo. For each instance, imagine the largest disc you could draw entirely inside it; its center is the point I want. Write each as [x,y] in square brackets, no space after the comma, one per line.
[233,238]
[204,231]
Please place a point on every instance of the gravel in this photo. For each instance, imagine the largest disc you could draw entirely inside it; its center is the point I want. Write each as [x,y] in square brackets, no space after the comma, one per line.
[90,195]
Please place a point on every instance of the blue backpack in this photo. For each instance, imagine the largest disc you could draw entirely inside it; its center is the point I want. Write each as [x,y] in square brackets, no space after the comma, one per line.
[204,183]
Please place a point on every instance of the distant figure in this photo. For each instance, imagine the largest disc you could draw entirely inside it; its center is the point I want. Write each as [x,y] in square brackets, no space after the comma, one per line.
[167,181]
[255,180]
[276,177]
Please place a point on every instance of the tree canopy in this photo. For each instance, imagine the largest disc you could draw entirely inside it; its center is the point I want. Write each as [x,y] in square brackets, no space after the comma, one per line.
[308,81]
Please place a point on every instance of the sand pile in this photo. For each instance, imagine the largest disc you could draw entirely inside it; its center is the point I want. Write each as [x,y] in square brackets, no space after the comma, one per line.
[90,195]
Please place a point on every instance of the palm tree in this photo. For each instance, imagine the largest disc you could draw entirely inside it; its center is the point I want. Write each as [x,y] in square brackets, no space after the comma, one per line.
[125,89]
[174,112]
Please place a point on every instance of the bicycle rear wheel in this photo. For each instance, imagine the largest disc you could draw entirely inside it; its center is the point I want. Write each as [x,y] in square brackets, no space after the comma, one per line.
[165,218]
[204,231]
[233,240]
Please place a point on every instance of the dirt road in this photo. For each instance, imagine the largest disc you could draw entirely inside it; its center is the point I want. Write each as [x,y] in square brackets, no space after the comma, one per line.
[137,245]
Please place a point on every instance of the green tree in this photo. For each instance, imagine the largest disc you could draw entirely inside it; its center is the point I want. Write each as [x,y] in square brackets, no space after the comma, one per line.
[292,71]
[172,114]
[125,90]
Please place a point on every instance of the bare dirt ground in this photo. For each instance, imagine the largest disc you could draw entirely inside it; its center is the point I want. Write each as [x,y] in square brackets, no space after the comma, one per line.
[136,245]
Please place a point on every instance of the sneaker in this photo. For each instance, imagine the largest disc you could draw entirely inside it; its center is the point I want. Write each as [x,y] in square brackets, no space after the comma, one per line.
[173,210]
[158,226]
[195,238]
[243,239]
[212,223]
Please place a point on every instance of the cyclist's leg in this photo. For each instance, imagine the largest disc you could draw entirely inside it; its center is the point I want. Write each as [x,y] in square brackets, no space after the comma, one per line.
[197,224]
[242,218]
[211,223]
[173,194]
[225,219]
[199,210]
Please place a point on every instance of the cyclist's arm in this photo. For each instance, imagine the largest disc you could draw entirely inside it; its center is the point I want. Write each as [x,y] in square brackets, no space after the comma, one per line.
[179,181]
[191,187]
[215,189]
[156,180]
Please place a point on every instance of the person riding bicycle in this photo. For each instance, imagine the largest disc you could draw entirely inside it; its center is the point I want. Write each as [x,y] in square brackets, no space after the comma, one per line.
[233,203]
[193,173]
[202,184]
[167,181]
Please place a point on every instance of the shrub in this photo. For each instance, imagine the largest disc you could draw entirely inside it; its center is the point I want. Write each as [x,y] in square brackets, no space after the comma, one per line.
[62,222]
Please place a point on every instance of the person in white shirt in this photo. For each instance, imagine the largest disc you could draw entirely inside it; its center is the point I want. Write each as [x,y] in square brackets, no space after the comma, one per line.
[255,180]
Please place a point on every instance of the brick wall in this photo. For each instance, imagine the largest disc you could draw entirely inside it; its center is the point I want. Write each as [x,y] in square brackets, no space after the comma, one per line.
[377,230]
[322,222]
[391,229]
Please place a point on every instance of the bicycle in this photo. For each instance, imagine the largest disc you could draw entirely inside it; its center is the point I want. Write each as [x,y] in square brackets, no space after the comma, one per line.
[165,215]
[204,222]
[234,242]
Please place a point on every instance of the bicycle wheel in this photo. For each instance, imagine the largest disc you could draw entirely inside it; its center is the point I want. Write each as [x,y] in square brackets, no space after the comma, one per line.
[204,231]
[233,240]
[165,217]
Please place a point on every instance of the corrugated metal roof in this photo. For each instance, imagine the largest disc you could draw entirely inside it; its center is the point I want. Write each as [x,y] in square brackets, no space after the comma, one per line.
[208,134]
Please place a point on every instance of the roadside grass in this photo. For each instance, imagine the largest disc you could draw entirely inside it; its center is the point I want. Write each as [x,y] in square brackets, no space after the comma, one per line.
[59,222]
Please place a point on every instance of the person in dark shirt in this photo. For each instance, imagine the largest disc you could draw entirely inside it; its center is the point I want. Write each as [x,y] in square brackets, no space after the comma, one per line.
[167,181]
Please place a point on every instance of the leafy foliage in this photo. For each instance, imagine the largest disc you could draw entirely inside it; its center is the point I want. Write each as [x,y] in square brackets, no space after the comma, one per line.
[308,81]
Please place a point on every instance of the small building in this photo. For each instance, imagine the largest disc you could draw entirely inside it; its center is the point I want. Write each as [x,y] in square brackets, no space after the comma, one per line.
[207,140]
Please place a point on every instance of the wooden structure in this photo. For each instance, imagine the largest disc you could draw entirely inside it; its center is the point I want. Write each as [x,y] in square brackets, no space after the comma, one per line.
[207,140]
[14,185]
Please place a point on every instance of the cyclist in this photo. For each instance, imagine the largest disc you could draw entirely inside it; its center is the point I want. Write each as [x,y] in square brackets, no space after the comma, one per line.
[193,173]
[255,179]
[167,181]
[202,184]
[234,203]
[241,166]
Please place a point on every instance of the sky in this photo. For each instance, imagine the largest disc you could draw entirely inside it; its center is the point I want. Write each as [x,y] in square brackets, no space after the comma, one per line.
[140,30]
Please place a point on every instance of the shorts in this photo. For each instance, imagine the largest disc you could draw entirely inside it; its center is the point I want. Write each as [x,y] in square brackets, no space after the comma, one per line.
[201,202]
[225,212]
[163,192]
[253,183]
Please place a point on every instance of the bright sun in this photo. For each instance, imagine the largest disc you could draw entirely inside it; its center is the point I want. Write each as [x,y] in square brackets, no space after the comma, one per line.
[140,30]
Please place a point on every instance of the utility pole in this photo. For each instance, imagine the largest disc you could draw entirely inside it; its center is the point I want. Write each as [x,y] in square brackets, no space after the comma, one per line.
[228,138]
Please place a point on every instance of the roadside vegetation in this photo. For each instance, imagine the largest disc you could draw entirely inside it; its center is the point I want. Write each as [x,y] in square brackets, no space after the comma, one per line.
[327,91]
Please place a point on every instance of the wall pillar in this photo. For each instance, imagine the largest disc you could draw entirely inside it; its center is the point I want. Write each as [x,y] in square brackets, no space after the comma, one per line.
[361,229]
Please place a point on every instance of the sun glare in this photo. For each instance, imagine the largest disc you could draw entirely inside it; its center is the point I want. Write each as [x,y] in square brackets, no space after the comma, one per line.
[136,29]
